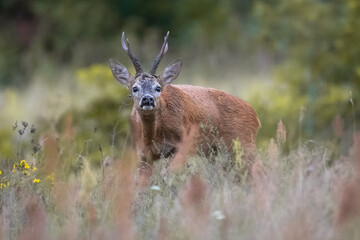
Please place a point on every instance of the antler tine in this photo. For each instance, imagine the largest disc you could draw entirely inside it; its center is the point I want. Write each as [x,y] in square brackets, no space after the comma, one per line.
[135,61]
[162,52]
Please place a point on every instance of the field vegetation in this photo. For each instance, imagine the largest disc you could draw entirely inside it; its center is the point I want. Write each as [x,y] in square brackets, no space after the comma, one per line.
[67,167]
[56,192]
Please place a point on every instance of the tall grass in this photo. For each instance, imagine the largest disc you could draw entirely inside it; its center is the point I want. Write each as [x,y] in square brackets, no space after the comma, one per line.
[298,195]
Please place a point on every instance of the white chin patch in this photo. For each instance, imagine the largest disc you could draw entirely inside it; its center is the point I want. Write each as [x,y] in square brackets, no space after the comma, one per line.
[146,107]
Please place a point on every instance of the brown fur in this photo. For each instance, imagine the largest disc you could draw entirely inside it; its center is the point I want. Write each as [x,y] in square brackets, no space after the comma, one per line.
[185,106]
[179,119]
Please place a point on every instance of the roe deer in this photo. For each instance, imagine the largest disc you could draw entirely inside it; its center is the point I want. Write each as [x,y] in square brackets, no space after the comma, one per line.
[163,113]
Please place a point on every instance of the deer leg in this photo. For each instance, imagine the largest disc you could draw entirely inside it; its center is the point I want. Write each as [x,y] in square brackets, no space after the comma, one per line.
[145,170]
[181,156]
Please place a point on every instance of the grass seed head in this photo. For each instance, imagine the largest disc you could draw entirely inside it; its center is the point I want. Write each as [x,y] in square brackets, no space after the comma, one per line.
[281,133]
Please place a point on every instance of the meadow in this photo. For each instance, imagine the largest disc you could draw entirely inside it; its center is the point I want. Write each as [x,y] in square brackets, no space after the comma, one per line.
[68,176]
[67,166]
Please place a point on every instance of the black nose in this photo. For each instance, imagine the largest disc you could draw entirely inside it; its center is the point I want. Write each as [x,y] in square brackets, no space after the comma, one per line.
[147,101]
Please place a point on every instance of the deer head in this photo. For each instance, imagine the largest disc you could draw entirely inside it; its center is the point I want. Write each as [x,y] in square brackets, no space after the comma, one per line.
[146,87]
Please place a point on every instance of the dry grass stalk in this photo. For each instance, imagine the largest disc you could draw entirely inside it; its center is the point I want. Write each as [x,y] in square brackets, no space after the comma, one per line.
[69,129]
[66,196]
[68,144]
[51,153]
[95,230]
[92,216]
[263,187]
[2,229]
[273,154]
[298,227]
[281,133]
[195,207]
[35,226]
[70,230]
[163,232]
[185,149]
[348,203]
[224,227]
[349,198]
[257,172]
[338,126]
[124,184]
[356,149]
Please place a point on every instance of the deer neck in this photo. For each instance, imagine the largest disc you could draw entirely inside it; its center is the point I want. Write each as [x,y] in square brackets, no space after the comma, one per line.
[149,127]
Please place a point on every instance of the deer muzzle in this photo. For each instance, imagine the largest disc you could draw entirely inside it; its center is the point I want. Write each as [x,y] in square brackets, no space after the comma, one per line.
[147,102]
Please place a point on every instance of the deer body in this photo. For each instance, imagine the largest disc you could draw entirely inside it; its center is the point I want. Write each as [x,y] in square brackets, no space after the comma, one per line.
[163,113]
[183,106]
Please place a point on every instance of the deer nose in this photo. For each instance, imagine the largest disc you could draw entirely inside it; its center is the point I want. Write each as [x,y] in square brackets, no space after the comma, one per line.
[147,101]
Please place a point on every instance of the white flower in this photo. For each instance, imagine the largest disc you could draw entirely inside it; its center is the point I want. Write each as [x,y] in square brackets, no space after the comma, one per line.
[219,215]
[155,188]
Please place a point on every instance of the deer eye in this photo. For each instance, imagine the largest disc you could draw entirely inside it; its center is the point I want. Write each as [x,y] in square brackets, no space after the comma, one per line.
[158,89]
[135,89]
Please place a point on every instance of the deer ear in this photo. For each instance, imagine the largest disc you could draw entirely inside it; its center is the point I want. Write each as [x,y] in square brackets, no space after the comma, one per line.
[171,72]
[120,72]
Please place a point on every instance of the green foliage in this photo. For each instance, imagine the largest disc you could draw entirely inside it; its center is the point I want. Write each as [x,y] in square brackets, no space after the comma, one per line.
[83,32]
[321,38]
[100,113]
[314,45]
[97,81]
[316,42]
[95,112]
[303,117]
[6,148]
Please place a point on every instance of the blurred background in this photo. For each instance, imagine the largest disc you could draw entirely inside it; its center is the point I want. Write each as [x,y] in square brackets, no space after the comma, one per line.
[295,61]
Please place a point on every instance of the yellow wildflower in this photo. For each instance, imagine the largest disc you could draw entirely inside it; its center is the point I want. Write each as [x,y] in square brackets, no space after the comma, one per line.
[25,172]
[34,169]
[0,172]
[24,164]
[4,185]
[14,170]
[36,180]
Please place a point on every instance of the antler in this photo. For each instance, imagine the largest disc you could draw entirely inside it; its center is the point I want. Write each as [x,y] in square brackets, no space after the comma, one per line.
[158,58]
[135,61]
